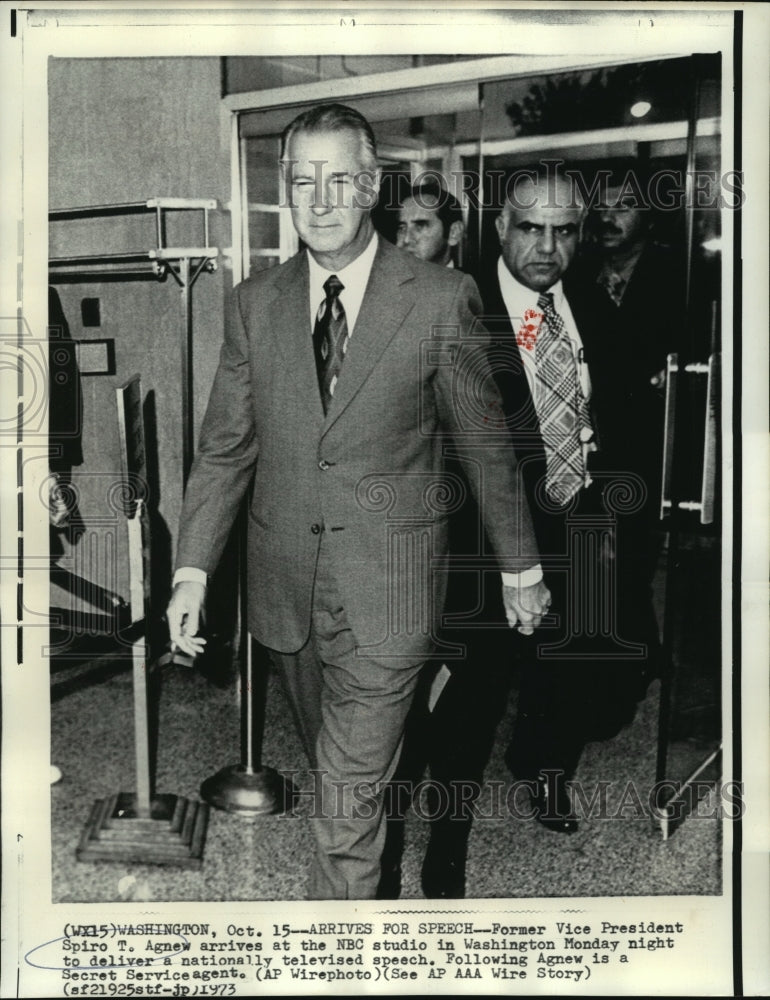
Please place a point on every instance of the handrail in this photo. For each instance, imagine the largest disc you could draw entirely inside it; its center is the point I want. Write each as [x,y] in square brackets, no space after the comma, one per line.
[158,206]
[130,207]
[183,263]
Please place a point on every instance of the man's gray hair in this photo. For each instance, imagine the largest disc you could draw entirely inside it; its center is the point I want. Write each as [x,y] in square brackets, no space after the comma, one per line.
[543,174]
[333,118]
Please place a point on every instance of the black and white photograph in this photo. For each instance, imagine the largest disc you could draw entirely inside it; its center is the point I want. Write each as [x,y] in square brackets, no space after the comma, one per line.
[384,496]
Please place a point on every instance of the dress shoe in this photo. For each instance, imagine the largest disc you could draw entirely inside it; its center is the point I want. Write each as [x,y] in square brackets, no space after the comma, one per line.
[551,803]
[443,871]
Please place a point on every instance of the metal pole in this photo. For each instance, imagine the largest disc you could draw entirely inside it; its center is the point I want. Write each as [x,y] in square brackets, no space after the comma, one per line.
[247,707]
[692,128]
[684,351]
[187,374]
[249,788]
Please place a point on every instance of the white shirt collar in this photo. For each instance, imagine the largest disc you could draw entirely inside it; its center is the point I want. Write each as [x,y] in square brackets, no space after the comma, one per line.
[354,277]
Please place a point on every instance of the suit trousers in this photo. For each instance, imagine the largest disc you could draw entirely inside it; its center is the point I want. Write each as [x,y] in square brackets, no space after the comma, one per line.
[582,678]
[564,701]
[350,707]
[455,739]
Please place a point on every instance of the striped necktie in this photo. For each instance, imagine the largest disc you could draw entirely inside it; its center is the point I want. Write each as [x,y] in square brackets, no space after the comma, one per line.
[561,407]
[330,339]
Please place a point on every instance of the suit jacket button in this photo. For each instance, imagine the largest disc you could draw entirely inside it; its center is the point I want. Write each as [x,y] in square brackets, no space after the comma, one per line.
[315,528]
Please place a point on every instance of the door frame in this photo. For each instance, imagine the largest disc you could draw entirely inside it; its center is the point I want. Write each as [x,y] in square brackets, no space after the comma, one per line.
[385,90]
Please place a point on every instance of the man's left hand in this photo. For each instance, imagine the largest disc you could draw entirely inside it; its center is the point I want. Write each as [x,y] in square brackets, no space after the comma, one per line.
[525,606]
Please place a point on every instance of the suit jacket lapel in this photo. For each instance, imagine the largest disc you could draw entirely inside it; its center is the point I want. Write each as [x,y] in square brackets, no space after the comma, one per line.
[512,381]
[385,306]
[290,316]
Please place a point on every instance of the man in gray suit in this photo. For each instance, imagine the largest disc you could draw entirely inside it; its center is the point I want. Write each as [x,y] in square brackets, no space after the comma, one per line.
[341,373]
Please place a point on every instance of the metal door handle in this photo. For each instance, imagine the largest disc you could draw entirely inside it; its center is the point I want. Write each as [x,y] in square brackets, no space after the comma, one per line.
[708,481]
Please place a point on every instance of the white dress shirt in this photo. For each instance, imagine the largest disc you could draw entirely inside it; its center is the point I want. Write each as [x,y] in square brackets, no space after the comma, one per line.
[354,278]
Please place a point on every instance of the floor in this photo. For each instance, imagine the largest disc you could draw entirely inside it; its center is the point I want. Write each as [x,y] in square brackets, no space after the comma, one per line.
[617,850]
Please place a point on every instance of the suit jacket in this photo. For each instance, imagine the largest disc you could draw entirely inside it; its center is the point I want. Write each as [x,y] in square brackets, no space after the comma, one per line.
[626,411]
[522,417]
[586,690]
[625,346]
[364,483]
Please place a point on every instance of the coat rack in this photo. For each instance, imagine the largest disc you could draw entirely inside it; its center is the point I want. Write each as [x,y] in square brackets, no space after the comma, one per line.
[184,264]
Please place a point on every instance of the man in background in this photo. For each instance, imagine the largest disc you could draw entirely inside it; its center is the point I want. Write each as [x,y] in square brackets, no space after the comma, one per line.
[430,224]
[628,289]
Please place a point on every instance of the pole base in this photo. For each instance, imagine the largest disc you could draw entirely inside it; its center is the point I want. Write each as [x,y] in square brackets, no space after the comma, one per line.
[247,792]
[173,834]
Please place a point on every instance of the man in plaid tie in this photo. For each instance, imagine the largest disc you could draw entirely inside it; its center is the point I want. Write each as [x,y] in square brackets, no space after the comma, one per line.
[548,414]
[545,375]
[457,736]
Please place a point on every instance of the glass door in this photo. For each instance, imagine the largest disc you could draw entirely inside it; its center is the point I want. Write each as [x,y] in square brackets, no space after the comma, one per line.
[662,117]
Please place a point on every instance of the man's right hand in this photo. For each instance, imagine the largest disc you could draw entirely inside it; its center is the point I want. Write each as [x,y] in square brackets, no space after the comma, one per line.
[184,615]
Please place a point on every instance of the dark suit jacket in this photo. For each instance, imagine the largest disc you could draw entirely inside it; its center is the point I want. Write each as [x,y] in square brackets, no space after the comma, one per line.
[522,419]
[626,410]
[369,473]
[625,347]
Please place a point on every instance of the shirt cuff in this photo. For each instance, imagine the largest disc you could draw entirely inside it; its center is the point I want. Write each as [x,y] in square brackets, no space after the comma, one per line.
[189,574]
[527,578]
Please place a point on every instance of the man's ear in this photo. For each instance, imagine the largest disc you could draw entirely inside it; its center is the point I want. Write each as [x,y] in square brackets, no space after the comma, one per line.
[373,181]
[367,187]
[376,181]
[500,226]
[455,236]
[286,182]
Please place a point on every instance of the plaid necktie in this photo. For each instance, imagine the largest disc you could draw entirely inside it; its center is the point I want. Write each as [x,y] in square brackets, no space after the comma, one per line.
[330,339]
[561,407]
